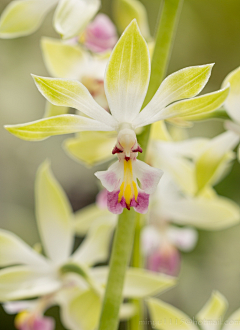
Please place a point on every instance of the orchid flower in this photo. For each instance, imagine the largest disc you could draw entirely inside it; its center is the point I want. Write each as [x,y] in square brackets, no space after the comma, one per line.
[166,317]
[23,17]
[232,103]
[126,82]
[61,277]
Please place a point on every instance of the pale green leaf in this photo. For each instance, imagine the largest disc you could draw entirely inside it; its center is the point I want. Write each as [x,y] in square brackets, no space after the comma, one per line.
[166,317]
[53,212]
[58,125]
[23,17]
[127,75]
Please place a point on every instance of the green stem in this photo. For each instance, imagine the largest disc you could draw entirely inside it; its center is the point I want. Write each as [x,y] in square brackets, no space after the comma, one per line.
[121,252]
[124,236]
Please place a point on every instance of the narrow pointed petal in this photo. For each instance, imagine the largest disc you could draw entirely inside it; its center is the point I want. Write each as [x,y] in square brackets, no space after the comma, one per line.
[213,311]
[187,109]
[126,10]
[89,216]
[24,282]
[21,18]
[72,16]
[204,213]
[53,110]
[127,75]
[233,321]
[15,251]
[99,150]
[82,311]
[95,247]
[64,124]
[61,59]
[214,156]
[167,317]
[111,178]
[182,84]
[232,102]
[71,93]
[54,213]
[148,176]
[139,283]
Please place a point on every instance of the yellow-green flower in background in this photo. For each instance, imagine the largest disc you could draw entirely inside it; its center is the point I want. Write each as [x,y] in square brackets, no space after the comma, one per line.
[23,17]
[126,83]
[166,317]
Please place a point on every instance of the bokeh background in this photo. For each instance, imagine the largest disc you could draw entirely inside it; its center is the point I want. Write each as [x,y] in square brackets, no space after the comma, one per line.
[209,31]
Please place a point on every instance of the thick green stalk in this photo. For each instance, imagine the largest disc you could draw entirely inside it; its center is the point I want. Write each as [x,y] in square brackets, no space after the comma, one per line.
[124,236]
[121,252]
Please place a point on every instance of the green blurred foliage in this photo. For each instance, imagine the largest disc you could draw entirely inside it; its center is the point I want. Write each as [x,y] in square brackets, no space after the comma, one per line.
[208,32]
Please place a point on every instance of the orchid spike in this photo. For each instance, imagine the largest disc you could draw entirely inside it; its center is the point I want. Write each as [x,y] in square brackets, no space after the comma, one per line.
[126,83]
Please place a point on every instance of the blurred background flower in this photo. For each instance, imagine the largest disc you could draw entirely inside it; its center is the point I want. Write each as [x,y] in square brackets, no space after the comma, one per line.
[208,32]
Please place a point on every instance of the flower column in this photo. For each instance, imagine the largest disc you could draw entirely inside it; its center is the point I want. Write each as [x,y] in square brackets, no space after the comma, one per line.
[124,235]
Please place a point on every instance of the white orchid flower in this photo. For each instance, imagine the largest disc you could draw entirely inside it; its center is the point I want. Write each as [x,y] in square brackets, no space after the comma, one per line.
[61,277]
[167,317]
[23,17]
[232,103]
[126,82]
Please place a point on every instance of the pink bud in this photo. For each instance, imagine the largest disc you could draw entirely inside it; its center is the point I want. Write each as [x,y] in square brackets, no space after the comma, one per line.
[165,260]
[100,35]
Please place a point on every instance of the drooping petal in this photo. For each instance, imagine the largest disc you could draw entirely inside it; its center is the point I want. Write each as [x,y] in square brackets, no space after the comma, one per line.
[183,238]
[213,312]
[182,84]
[72,16]
[24,282]
[210,162]
[209,214]
[141,206]
[81,311]
[23,17]
[187,109]
[139,283]
[233,321]
[167,317]
[99,148]
[127,75]
[72,93]
[15,251]
[232,102]
[100,35]
[63,60]
[113,204]
[53,110]
[95,247]
[53,212]
[57,125]
[148,176]
[111,178]
[126,10]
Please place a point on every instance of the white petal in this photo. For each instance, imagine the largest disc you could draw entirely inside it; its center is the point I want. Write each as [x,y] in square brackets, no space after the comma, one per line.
[111,178]
[182,84]
[232,126]
[127,75]
[15,251]
[167,317]
[95,247]
[54,213]
[14,307]
[127,311]
[233,322]
[150,239]
[21,18]
[72,16]
[148,176]
[183,238]
[24,282]
[213,312]
[232,103]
